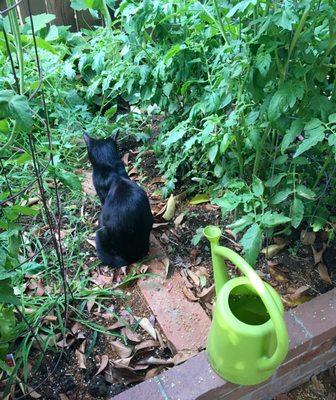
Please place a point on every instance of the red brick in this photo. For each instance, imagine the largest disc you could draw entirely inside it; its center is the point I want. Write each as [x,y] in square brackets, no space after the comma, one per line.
[184,323]
[149,390]
[195,379]
[319,316]
[304,358]
[299,336]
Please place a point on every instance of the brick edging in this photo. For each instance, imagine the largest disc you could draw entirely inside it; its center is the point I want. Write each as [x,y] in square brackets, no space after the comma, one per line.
[312,333]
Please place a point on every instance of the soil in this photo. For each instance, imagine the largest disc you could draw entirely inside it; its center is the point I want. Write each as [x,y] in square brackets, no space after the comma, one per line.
[289,270]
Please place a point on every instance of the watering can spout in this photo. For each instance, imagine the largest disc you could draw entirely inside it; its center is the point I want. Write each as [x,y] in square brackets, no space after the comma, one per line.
[213,234]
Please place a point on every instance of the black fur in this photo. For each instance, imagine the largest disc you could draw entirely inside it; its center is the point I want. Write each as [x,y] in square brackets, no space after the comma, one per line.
[126,219]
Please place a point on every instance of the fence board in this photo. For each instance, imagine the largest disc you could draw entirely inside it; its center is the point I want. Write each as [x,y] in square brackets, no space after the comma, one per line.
[36,6]
[65,15]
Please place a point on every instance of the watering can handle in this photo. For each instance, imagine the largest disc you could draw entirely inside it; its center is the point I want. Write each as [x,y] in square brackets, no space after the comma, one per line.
[218,252]
[265,363]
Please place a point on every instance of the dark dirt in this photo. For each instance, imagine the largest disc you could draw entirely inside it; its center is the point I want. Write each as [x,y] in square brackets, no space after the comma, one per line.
[289,270]
[320,387]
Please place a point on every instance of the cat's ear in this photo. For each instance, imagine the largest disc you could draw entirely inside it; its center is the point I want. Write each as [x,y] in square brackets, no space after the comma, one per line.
[86,138]
[115,136]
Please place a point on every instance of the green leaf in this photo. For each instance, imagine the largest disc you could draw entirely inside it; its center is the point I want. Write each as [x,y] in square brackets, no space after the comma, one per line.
[285,97]
[275,180]
[7,292]
[251,241]
[225,143]
[296,212]
[69,71]
[167,88]
[25,210]
[304,192]
[79,5]
[263,62]
[175,49]
[241,223]
[212,153]
[17,108]
[294,131]
[281,196]
[240,7]
[271,219]
[257,186]
[69,179]
[40,21]
[314,132]
[200,198]
[332,118]
[175,135]
[98,61]
[111,111]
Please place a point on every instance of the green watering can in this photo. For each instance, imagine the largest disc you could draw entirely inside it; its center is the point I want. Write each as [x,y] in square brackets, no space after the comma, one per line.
[248,338]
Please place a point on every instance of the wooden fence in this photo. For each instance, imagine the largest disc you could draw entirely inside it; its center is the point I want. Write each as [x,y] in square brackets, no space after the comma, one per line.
[65,15]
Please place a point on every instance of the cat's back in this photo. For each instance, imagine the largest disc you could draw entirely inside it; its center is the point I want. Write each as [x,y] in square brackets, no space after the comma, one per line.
[126,199]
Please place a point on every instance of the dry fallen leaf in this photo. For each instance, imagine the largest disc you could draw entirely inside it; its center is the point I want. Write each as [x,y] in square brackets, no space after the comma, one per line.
[66,342]
[63,396]
[116,325]
[193,277]
[189,294]
[147,326]
[32,393]
[165,261]
[323,271]
[318,386]
[318,254]
[89,305]
[153,372]
[170,210]
[296,302]
[125,158]
[160,225]
[146,344]
[87,183]
[299,292]
[80,355]
[207,293]
[122,350]
[91,242]
[122,374]
[277,275]
[272,250]
[307,238]
[178,220]
[133,336]
[156,361]
[183,356]
[103,364]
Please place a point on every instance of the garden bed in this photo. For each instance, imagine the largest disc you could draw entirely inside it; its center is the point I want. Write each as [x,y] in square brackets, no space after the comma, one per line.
[292,271]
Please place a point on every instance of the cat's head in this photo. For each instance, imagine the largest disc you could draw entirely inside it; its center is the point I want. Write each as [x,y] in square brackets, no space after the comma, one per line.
[102,152]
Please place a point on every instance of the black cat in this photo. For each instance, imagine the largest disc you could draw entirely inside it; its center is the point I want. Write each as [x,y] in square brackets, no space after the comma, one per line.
[126,219]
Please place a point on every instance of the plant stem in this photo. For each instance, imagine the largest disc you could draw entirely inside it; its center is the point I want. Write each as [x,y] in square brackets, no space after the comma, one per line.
[13,17]
[295,40]
[220,22]
[319,176]
[106,15]
[10,140]
[259,150]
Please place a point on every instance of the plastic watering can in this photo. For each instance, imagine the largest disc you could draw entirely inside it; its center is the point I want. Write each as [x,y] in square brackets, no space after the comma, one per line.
[248,338]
